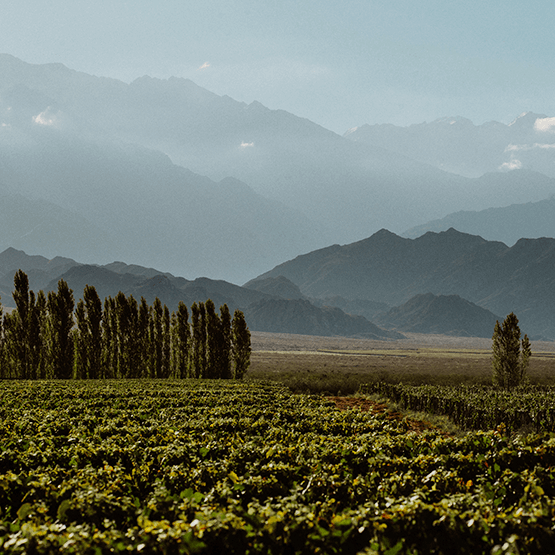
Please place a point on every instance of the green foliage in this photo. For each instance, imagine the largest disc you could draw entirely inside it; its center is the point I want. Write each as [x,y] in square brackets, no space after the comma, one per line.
[181,337]
[88,336]
[225,346]
[241,344]
[59,324]
[509,365]
[231,467]
[124,340]
[476,407]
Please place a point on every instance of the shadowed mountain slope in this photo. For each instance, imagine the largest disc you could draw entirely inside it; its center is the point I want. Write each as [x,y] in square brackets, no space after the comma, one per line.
[440,314]
[392,269]
[267,310]
[301,317]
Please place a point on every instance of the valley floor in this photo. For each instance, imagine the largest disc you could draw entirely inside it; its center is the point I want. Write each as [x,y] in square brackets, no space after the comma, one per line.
[340,365]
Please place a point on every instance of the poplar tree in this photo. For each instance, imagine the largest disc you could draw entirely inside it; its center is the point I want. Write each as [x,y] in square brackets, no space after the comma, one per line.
[195,340]
[88,335]
[17,330]
[180,342]
[143,346]
[60,306]
[213,342]
[166,343]
[225,322]
[241,338]
[202,339]
[156,339]
[80,359]
[123,334]
[109,339]
[93,307]
[509,362]
[38,334]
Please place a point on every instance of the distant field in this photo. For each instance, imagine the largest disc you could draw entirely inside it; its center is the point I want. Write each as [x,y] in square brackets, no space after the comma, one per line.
[335,364]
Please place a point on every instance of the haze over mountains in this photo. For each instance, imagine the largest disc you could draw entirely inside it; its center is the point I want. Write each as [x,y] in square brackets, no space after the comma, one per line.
[507,224]
[164,173]
[456,145]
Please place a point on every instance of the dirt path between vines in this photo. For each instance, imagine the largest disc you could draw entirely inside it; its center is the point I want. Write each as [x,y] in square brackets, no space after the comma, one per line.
[367,405]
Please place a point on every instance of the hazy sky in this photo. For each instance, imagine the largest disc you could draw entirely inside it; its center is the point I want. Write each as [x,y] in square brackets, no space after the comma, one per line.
[340,64]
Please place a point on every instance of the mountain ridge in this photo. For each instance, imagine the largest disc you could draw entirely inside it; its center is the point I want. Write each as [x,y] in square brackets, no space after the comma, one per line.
[490,274]
[506,224]
[348,188]
[440,314]
[268,311]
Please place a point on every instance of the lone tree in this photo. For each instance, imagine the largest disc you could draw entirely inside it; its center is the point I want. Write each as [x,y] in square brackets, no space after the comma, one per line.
[510,355]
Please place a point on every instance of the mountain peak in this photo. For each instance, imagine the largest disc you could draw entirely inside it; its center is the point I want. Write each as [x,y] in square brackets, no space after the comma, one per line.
[526,120]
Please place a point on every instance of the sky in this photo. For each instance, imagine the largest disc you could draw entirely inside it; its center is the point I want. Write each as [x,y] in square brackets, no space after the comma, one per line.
[339,64]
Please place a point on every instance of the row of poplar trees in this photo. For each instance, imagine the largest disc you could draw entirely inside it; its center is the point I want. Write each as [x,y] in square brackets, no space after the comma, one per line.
[49,337]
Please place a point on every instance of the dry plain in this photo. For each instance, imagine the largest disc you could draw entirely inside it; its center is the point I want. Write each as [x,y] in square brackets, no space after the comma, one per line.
[338,364]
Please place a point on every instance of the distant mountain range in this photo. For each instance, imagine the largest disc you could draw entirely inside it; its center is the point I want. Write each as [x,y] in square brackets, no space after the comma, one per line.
[165,173]
[456,145]
[169,175]
[264,311]
[509,224]
[391,269]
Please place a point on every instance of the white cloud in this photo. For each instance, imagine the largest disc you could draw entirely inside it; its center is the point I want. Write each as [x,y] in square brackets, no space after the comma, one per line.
[204,65]
[525,148]
[545,125]
[512,165]
[46,118]
[246,145]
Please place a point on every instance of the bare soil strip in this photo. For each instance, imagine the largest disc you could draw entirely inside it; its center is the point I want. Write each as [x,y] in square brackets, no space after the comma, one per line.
[367,405]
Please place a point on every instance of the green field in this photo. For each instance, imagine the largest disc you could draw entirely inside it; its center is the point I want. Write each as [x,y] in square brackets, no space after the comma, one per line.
[213,467]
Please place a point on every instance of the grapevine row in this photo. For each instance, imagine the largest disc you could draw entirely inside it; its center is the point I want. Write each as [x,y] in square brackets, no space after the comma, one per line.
[476,407]
[212,466]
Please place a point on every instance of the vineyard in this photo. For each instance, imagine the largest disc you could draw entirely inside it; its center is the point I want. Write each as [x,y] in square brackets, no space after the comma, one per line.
[477,407]
[186,466]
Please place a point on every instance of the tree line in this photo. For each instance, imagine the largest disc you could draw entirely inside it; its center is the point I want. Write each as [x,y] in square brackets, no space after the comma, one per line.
[51,337]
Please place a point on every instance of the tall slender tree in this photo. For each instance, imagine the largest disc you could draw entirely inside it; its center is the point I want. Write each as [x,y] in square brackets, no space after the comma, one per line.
[93,307]
[38,334]
[123,333]
[509,364]
[241,338]
[80,358]
[109,340]
[195,341]
[166,343]
[213,342]
[59,324]
[88,335]
[17,329]
[143,349]
[180,342]
[156,338]
[225,322]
